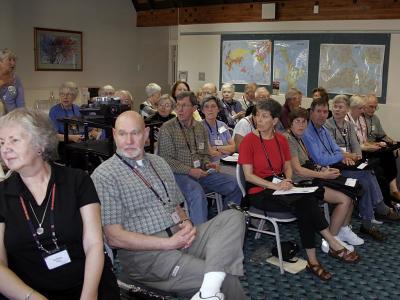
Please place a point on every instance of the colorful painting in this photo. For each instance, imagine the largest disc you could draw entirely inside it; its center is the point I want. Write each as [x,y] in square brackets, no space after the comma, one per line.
[58,50]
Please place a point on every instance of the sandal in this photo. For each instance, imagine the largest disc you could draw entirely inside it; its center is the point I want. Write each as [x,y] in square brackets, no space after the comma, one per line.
[344,255]
[318,271]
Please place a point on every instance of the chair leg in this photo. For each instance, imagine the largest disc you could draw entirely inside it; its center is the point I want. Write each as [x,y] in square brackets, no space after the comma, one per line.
[220,204]
[278,246]
[260,227]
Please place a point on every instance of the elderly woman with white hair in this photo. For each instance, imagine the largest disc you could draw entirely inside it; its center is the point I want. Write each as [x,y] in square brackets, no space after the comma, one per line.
[231,108]
[51,244]
[149,107]
[125,97]
[11,90]
[106,91]
[68,93]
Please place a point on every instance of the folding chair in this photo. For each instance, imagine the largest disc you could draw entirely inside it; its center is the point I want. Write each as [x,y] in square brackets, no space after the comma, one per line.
[273,217]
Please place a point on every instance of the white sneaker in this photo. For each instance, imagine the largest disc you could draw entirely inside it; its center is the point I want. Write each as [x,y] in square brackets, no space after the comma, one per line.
[375,221]
[217,296]
[325,245]
[346,234]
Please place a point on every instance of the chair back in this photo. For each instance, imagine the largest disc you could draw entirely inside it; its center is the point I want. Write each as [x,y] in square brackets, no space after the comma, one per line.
[241,180]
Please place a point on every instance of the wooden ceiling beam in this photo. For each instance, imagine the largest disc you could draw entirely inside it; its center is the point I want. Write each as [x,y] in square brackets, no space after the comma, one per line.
[286,10]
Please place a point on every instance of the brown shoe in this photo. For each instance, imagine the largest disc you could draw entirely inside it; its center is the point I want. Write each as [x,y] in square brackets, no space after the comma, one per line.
[374,233]
[318,271]
[344,255]
[391,216]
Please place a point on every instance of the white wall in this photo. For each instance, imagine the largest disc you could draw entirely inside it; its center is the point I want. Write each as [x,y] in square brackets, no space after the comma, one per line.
[199,51]
[112,44]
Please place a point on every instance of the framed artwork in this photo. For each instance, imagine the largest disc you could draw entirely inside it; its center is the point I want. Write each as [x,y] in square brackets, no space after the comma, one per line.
[57,50]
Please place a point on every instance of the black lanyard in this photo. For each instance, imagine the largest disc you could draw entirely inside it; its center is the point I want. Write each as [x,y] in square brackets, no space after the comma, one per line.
[251,123]
[345,134]
[52,224]
[186,139]
[146,182]
[267,156]
[66,111]
[216,128]
[322,142]
[301,144]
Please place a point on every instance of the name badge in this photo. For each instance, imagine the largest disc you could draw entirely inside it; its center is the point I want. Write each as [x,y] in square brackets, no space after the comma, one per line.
[201,146]
[372,127]
[175,217]
[222,129]
[362,166]
[343,149]
[196,164]
[351,182]
[57,259]
[218,143]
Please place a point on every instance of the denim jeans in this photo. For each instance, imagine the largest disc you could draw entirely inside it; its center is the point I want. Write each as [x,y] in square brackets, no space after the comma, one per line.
[194,191]
[372,193]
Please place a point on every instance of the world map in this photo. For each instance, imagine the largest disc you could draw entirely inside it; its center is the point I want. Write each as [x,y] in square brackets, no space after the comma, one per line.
[291,65]
[246,61]
[351,68]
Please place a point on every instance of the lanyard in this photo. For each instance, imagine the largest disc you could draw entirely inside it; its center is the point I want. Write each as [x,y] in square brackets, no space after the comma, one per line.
[252,124]
[52,224]
[345,134]
[322,142]
[267,156]
[66,111]
[216,128]
[145,181]
[186,139]
[369,132]
[301,144]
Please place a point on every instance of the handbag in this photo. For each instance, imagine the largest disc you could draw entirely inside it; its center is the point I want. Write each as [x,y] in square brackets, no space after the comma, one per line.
[289,251]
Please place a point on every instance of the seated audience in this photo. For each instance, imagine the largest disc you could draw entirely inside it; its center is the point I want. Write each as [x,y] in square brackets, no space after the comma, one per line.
[375,134]
[231,108]
[265,157]
[51,240]
[158,246]
[219,138]
[292,100]
[325,152]
[183,143]
[305,170]
[149,107]
[68,93]
[179,87]
[11,89]
[106,91]
[248,97]
[125,97]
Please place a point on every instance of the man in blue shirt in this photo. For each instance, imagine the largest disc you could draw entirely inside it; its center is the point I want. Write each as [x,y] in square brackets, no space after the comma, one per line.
[324,151]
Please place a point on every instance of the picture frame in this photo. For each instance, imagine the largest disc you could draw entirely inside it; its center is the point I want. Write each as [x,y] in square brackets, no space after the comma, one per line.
[57,50]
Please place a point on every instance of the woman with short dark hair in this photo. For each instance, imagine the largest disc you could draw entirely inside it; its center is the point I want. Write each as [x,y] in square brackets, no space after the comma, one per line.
[265,157]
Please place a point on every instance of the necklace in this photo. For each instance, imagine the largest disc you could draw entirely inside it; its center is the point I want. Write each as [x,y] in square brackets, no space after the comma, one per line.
[40,229]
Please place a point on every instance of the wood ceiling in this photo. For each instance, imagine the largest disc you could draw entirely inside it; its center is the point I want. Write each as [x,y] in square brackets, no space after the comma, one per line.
[184,12]
[142,5]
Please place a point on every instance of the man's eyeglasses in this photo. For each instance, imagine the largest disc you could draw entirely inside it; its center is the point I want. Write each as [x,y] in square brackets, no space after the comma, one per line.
[183,106]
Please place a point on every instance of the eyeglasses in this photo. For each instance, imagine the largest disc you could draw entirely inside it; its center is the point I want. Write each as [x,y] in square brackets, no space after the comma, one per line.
[299,121]
[66,95]
[183,106]
[165,105]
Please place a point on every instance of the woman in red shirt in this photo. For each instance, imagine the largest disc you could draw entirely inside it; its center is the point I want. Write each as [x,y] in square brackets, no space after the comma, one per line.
[265,157]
